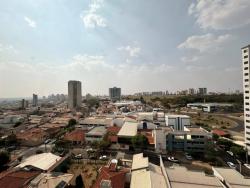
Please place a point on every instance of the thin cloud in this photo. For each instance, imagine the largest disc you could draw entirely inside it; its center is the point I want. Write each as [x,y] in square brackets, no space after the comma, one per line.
[219,15]
[91,18]
[30,22]
[205,43]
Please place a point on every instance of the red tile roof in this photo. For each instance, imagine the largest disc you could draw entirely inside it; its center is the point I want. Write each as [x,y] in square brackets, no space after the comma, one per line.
[76,135]
[150,139]
[220,132]
[114,130]
[113,138]
[17,179]
[117,178]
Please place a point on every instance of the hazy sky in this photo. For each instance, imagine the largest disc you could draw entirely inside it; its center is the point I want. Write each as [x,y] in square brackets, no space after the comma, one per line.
[138,45]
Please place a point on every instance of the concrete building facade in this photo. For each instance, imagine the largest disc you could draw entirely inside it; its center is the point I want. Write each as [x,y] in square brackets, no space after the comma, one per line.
[202,91]
[192,139]
[35,100]
[74,94]
[246,77]
[115,93]
[177,122]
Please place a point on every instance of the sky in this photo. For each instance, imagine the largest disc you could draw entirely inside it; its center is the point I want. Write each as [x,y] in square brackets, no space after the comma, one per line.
[138,45]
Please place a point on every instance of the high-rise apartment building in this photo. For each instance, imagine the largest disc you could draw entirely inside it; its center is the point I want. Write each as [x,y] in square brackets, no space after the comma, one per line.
[74,94]
[115,93]
[35,100]
[246,90]
[202,91]
[191,91]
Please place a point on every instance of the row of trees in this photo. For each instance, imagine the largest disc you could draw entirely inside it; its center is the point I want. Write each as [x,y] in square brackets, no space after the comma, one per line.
[184,100]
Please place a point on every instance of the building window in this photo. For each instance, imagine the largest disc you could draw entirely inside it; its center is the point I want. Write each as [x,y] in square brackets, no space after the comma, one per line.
[247,109]
[246,56]
[246,97]
[247,103]
[246,91]
[246,68]
[246,62]
[246,74]
[246,80]
[248,121]
[245,51]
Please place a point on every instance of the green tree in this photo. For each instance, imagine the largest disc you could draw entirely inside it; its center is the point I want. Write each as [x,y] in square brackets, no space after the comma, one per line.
[72,122]
[4,158]
[79,182]
[215,137]
[139,141]
[227,143]
[92,102]
[238,151]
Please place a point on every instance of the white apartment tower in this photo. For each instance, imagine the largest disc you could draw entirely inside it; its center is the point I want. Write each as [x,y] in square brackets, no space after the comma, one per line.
[246,78]
[74,94]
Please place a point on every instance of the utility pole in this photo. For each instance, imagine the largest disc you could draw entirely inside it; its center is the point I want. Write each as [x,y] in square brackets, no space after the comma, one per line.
[239,164]
[246,155]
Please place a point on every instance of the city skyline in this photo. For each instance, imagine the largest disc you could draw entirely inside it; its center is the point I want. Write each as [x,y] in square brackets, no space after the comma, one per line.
[138,46]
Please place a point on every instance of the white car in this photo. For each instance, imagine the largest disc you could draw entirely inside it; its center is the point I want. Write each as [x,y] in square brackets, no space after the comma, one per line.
[103,157]
[231,165]
[188,156]
[172,159]
[79,156]
[230,153]
[247,165]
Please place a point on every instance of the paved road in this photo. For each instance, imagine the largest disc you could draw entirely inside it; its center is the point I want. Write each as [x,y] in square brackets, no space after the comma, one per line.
[228,158]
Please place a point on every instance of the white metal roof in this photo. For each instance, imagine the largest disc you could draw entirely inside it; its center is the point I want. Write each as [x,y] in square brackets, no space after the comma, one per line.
[139,161]
[231,177]
[128,129]
[42,161]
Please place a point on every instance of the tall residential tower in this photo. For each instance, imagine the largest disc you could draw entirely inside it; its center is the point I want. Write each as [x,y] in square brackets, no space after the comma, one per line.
[246,77]
[115,93]
[74,94]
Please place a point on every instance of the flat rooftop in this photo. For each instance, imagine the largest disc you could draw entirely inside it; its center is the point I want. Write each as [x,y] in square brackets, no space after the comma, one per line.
[139,161]
[180,177]
[233,178]
[42,161]
[100,130]
[97,121]
[128,129]
[176,116]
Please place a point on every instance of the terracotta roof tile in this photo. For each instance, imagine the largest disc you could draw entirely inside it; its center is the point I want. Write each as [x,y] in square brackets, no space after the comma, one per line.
[76,135]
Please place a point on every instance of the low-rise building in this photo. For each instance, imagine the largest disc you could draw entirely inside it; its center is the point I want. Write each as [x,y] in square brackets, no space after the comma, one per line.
[32,137]
[112,175]
[128,130]
[19,178]
[231,178]
[43,162]
[208,107]
[76,137]
[179,177]
[177,122]
[191,139]
[95,134]
[51,180]
[145,174]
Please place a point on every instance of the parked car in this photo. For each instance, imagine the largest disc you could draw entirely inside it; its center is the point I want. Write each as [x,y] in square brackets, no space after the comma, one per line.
[247,165]
[47,141]
[172,159]
[103,157]
[188,156]
[79,156]
[230,153]
[231,165]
